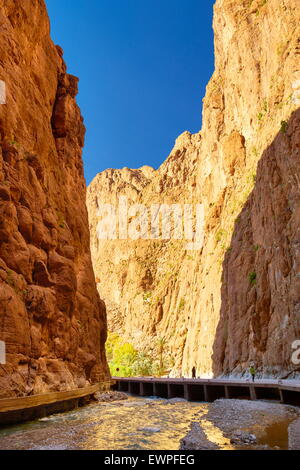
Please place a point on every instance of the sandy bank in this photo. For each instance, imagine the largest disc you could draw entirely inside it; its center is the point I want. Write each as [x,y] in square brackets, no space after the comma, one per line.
[241,424]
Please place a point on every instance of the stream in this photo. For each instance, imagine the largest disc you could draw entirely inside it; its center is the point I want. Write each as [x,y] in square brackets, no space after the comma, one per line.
[135,424]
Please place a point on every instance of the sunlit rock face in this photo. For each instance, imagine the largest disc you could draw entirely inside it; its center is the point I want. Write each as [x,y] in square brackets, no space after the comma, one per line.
[236,300]
[51,318]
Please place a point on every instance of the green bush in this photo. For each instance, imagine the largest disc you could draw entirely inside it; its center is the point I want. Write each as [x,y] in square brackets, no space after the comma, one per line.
[260,116]
[284,126]
[181,305]
[147,298]
[252,278]
[220,235]
[124,360]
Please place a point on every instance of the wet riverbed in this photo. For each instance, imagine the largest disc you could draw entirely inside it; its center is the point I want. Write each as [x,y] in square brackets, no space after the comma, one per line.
[136,424]
[133,424]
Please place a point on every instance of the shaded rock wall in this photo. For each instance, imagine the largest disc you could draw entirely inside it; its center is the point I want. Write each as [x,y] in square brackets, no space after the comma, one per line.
[51,317]
[260,316]
[237,299]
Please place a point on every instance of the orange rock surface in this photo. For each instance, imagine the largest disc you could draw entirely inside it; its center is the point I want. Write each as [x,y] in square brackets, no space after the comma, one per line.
[238,299]
[51,317]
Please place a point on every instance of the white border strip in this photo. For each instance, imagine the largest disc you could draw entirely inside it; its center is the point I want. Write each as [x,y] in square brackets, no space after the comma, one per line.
[2,353]
[2,92]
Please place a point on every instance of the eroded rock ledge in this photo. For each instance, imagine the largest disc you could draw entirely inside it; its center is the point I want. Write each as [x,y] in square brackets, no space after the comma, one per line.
[238,299]
[51,317]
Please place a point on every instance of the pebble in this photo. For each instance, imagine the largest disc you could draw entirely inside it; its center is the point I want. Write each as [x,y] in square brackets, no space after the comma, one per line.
[152,430]
[173,401]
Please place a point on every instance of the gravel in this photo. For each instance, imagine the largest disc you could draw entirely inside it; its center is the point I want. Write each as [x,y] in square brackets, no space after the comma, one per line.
[237,424]
[110,396]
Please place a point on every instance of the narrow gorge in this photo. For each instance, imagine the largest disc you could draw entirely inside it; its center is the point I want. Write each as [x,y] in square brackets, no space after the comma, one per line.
[153,309]
[237,300]
[213,310]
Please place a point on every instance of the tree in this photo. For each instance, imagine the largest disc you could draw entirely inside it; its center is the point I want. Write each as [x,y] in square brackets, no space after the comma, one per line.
[160,348]
[124,360]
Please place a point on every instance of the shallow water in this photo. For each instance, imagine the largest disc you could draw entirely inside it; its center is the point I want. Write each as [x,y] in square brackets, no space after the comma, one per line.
[277,435]
[135,424]
[119,425]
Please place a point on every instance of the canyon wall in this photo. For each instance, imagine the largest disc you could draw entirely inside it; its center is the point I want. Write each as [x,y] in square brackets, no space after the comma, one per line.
[237,299]
[51,317]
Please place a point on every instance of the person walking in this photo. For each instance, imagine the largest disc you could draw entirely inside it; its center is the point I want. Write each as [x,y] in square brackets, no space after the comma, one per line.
[252,371]
[194,372]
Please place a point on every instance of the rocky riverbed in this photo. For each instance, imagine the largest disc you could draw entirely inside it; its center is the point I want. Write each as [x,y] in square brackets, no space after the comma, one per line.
[241,424]
[116,421]
[131,424]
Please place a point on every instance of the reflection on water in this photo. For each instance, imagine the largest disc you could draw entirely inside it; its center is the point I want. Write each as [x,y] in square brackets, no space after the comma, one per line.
[137,424]
[215,435]
[122,425]
[277,435]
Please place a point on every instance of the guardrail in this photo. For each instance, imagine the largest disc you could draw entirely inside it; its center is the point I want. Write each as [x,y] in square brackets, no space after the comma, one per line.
[210,390]
[20,409]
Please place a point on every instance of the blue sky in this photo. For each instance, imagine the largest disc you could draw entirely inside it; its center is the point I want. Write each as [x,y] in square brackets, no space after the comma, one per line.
[143,67]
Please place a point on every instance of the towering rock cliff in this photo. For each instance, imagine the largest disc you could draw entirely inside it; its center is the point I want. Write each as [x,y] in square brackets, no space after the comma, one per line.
[51,317]
[236,300]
